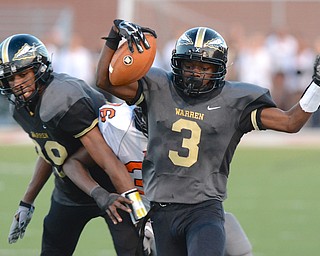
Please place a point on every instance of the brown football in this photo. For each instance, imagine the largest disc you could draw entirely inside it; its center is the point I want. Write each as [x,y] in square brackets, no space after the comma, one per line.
[127,67]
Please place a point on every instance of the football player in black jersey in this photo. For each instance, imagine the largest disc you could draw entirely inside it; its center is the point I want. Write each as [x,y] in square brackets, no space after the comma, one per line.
[60,115]
[129,139]
[196,119]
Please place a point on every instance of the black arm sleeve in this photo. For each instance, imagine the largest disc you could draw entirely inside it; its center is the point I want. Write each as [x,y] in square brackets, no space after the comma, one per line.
[251,116]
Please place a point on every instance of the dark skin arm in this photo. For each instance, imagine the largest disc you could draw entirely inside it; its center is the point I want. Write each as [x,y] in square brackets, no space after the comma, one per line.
[290,121]
[103,155]
[127,92]
[40,176]
[75,169]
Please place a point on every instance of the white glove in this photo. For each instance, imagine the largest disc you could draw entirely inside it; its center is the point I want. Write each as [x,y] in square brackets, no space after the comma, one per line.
[148,240]
[20,222]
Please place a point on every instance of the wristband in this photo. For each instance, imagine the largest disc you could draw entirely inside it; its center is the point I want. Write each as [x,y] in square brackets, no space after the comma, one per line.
[310,100]
[138,210]
[93,189]
[112,40]
[25,204]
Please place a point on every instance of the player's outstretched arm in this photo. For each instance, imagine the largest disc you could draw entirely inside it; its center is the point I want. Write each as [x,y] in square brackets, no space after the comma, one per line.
[23,215]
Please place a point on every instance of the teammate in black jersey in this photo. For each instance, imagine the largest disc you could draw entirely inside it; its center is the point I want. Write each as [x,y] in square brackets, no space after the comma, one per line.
[60,115]
[196,119]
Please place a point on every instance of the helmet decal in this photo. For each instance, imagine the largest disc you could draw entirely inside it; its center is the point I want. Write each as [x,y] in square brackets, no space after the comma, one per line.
[27,52]
[185,40]
[215,44]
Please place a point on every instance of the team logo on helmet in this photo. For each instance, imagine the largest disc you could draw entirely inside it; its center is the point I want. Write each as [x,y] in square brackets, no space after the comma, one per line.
[27,52]
[215,44]
[185,40]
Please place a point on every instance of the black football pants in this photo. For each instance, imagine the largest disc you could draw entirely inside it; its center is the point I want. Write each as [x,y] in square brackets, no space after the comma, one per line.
[189,229]
[63,225]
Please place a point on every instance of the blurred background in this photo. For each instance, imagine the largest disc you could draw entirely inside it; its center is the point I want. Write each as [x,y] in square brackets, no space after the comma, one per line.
[273,187]
[271,43]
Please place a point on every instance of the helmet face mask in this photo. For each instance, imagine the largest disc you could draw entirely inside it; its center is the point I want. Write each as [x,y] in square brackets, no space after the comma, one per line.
[199,46]
[197,76]
[23,56]
[22,84]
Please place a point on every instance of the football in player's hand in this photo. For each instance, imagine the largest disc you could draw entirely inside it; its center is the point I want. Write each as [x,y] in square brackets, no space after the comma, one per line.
[127,67]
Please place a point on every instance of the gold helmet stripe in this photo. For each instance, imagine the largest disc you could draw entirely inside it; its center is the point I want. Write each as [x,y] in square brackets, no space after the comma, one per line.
[5,53]
[200,37]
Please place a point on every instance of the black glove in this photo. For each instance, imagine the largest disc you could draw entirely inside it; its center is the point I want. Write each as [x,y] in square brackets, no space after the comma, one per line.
[103,198]
[316,71]
[133,33]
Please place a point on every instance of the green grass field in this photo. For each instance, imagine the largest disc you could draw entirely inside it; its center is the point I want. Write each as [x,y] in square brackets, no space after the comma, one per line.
[274,192]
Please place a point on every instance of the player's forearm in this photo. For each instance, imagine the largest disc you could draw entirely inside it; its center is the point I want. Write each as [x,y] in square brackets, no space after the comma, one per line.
[102,75]
[77,173]
[112,41]
[119,175]
[117,172]
[103,155]
[40,177]
[290,121]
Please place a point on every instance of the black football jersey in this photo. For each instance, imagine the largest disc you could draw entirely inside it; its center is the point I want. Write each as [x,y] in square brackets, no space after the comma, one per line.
[192,139]
[67,110]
